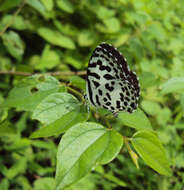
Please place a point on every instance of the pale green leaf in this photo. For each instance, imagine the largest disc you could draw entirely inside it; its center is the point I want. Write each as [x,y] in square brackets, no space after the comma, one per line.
[14,44]
[113,148]
[81,147]
[175,84]
[31,91]
[149,147]
[44,183]
[137,120]
[56,38]
[60,125]
[54,106]
[65,5]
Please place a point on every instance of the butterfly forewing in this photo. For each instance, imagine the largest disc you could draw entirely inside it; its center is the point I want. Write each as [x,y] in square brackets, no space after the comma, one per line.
[110,83]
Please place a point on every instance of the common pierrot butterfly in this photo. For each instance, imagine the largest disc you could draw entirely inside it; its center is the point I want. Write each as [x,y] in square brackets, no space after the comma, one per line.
[110,83]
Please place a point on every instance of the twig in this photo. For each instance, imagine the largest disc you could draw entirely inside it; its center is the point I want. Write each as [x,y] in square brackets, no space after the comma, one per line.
[64,73]
[14,15]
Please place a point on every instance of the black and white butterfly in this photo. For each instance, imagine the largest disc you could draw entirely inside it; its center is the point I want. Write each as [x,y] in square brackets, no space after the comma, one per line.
[110,83]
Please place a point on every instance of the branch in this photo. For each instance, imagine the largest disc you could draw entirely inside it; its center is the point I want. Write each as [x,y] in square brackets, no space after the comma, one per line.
[14,15]
[64,73]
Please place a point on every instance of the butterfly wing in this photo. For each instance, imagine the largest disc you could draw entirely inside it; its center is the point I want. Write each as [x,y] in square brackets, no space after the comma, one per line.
[110,83]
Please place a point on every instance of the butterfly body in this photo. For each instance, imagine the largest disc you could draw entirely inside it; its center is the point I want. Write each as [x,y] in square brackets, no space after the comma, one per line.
[110,83]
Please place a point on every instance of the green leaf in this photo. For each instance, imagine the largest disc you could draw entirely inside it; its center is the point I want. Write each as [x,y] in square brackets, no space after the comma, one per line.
[147,79]
[73,60]
[54,106]
[65,5]
[121,39]
[86,38]
[175,84]
[8,4]
[151,107]
[56,38]
[4,184]
[114,147]
[19,22]
[37,5]
[49,4]
[104,13]
[44,183]
[61,125]
[18,168]
[14,44]
[49,59]
[149,147]
[31,91]
[137,120]
[81,147]
[112,25]
[6,128]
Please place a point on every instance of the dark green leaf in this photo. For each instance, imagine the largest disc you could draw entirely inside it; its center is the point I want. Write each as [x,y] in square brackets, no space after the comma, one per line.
[8,4]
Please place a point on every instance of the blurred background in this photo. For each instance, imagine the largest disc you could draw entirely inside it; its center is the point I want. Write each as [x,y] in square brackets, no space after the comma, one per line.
[38,36]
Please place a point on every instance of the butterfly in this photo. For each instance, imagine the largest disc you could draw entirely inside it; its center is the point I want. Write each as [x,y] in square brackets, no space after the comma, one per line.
[110,83]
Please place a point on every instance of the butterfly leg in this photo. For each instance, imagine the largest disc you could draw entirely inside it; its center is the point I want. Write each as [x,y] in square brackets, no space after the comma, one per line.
[115,114]
[87,104]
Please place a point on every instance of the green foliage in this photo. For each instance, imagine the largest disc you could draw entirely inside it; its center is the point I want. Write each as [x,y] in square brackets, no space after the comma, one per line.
[41,36]
[151,150]
[84,145]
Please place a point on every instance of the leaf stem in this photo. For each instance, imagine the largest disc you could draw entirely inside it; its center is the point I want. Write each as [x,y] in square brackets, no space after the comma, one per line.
[76,93]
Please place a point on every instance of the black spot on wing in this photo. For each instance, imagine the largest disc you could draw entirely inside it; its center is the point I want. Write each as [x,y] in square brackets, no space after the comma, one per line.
[112,108]
[95,75]
[90,92]
[92,64]
[105,99]
[105,107]
[123,89]
[99,62]
[102,68]
[108,104]
[125,103]
[100,92]
[112,83]
[115,54]
[108,87]
[97,100]
[97,84]
[108,96]
[108,77]
[118,104]
[95,55]
[127,99]
[133,105]
[129,110]
[127,93]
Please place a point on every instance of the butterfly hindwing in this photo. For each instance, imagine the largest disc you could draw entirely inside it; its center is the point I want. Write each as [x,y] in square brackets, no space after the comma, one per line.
[110,83]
